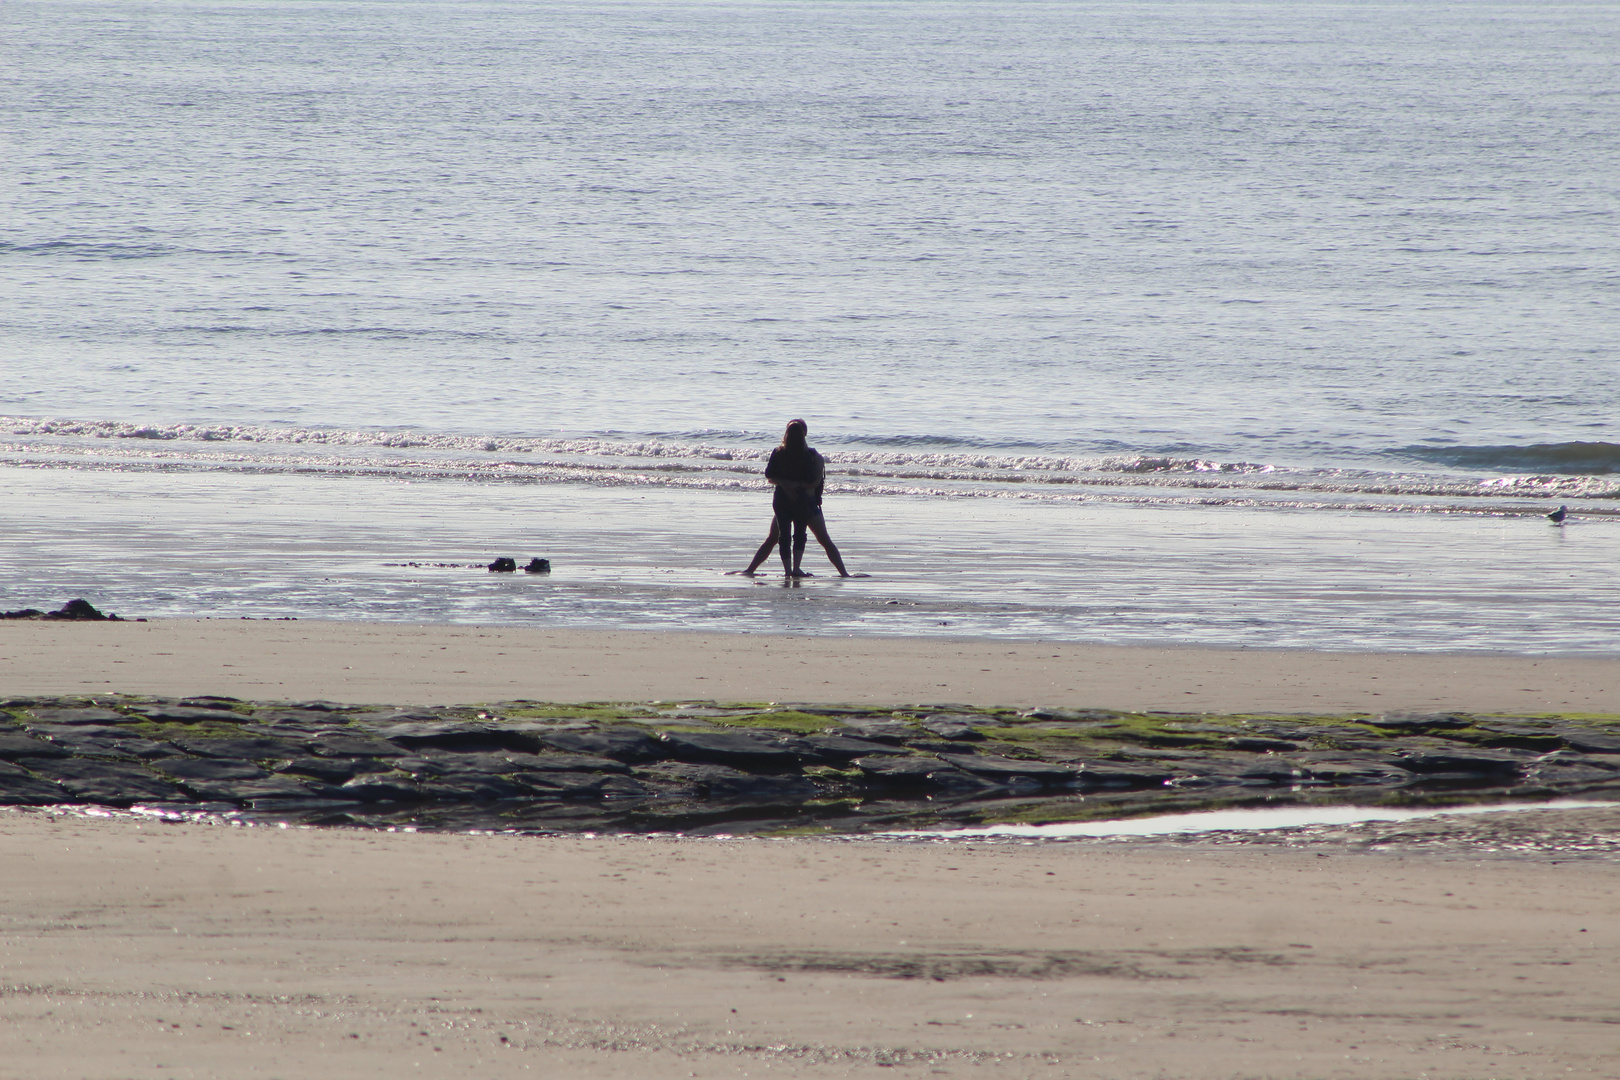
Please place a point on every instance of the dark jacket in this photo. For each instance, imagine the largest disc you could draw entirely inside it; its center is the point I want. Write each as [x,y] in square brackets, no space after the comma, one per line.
[797,467]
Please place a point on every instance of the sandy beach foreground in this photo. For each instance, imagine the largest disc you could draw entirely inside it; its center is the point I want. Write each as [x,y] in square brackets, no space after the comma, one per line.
[135,950]
[140,949]
[395,663]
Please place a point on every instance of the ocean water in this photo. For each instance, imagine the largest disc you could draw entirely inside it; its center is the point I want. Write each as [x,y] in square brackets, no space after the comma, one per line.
[1265,324]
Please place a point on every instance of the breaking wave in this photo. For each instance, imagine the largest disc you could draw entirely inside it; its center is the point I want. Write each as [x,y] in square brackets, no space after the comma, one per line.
[674,461]
[628,447]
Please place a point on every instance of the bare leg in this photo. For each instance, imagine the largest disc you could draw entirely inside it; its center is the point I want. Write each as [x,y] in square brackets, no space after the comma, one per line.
[784,539]
[820,529]
[798,549]
[764,551]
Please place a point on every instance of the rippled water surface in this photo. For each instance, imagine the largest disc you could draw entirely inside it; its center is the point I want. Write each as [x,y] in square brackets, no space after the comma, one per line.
[1274,322]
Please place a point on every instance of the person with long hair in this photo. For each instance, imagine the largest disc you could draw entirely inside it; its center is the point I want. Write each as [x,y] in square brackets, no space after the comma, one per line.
[798,473]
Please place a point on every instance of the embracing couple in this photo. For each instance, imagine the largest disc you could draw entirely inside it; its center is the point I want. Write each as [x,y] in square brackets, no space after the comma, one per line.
[798,473]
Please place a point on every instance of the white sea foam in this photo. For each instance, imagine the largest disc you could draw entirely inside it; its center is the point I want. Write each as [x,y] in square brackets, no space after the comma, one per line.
[941,474]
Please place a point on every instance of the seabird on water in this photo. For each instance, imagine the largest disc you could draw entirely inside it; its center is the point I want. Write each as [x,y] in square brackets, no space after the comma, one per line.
[1557,516]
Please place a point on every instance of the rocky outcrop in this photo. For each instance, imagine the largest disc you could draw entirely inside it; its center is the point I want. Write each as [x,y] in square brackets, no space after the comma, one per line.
[80,609]
[709,767]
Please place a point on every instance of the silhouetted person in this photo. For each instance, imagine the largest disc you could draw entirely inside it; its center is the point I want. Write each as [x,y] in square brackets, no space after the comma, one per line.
[798,474]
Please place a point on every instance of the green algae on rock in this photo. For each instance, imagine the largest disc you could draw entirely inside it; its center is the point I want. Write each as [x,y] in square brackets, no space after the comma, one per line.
[695,767]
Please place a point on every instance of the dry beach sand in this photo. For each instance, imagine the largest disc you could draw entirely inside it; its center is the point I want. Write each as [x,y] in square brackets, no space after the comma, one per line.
[428,665]
[151,950]
[135,948]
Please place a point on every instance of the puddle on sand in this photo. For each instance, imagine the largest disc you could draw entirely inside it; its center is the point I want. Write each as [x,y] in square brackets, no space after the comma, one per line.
[1257,820]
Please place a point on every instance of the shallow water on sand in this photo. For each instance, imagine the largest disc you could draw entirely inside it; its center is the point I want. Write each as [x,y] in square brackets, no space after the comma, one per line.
[234,544]
[1256,820]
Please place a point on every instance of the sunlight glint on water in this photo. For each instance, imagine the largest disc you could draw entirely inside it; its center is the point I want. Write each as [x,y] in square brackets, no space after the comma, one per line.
[1169,322]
